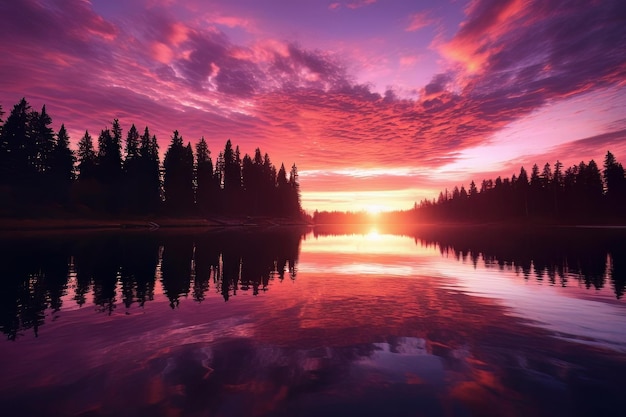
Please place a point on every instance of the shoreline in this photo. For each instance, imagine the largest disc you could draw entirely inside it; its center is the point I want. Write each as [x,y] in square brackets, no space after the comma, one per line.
[219,222]
[156,223]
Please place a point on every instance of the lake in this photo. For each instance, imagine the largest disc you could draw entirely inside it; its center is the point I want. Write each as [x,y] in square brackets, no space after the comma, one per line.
[364,321]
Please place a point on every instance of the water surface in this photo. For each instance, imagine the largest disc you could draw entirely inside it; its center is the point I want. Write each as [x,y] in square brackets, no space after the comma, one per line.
[283,322]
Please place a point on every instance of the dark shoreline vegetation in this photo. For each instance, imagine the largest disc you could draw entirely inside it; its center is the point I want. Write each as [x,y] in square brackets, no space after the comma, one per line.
[45,184]
[580,195]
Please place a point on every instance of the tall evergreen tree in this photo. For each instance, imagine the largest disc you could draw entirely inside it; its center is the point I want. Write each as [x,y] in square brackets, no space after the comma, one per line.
[283,193]
[294,200]
[86,157]
[205,191]
[557,187]
[109,167]
[39,146]
[473,191]
[189,173]
[62,166]
[13,159]
[64,158]
[546,176]
[109,157]
[150,190]
[615,184]
[131,148]
[231,179]
[594,180]
[521,190]
[132,173]
[178,179]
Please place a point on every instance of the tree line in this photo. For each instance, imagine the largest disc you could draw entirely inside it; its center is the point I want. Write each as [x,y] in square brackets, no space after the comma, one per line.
[41,175]
[580,193]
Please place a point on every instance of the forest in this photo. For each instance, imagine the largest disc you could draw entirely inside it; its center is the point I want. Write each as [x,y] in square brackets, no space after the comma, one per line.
[41,176]
[580,194]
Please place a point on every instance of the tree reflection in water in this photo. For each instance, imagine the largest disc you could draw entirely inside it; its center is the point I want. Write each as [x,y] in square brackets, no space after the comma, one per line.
[376,324]
[122,269]
[594,257]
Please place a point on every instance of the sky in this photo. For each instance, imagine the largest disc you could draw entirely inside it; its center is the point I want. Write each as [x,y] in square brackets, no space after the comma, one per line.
[379,103]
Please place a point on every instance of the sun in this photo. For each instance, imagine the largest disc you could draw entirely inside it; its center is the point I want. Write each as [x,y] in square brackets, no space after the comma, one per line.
[373,209]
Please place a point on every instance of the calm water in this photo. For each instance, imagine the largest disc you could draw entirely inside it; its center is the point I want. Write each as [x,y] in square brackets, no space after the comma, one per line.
[284,322]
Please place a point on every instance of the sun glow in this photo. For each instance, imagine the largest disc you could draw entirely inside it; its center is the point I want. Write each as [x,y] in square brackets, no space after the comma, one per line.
[373,235]
[373,209]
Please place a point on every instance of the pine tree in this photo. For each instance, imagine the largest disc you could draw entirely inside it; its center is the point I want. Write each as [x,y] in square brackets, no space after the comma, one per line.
[473,191]
[63,160]
[13,159]
[109,167]
[521,190]
[232,179]
[86,157]
[283,193]
[178,179]
[205,192]
[615,184]
[39,146]
[546,176]
[131,148]
[294,197]
[109,156]
[189,176]
[132,173]
[150,173]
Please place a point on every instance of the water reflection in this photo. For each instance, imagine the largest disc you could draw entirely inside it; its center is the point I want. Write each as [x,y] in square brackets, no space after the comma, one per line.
[593,257]
[119,270]
[374,324]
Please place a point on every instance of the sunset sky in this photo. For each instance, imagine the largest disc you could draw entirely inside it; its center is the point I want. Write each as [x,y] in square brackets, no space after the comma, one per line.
[380,103]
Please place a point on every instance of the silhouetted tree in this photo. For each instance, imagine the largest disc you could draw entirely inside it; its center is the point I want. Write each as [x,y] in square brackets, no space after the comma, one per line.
[62,166]
[283,191]
[150,173]
[86,157]
[231,179]
[293,202]
[521,189]
[178,179]
[109,167]
[13,158]
[39,145]
[268,185]
[615,184]
[206,192]
[132,175]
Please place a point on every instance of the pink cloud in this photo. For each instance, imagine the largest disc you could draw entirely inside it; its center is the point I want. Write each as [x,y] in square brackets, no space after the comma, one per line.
[418,21]
[162,53]
[487,21]
[408,61]
[357,4]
